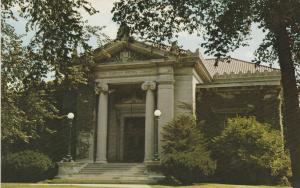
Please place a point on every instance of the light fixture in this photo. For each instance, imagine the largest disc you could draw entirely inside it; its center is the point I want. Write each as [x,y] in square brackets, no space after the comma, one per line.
[157,113]
[70,115]
[68,157]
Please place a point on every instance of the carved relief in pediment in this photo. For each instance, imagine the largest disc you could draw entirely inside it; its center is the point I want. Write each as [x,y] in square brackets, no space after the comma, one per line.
[129,55]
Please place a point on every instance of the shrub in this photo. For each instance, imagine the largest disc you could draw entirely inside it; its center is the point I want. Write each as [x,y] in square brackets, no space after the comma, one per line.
[250,152]
[26,166]
[185,156]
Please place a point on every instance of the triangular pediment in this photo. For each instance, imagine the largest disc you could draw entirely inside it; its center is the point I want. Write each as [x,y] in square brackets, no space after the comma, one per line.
[128,55]
[123,51]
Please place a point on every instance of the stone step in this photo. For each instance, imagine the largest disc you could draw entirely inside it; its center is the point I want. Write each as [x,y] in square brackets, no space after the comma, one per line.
[107,167]
[115,176]
[130,173]
[114,169]
[102,177]
[111,171]
[117,164]
[120,168]
[108,181]
[112,174]
[126,166]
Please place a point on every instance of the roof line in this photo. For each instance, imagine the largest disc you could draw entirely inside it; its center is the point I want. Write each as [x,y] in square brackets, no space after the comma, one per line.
[246,62]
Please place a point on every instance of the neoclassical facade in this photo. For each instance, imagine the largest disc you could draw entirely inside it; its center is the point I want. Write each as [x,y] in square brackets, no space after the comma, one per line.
[115,119]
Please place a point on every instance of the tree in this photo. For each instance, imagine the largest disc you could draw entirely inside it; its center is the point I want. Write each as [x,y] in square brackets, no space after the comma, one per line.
[185,156]
[24,103]
[226,25]
[59,32]
[60,35]
[250,152]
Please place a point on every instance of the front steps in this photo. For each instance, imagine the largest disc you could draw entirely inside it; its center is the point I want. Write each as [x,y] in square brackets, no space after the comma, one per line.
[129,173]
[114,168]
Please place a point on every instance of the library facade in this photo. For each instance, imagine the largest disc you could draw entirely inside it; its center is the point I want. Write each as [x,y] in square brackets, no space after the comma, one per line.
[114,116]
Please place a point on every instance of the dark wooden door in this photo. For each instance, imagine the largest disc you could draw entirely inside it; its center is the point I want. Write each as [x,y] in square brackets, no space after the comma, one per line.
[134,139]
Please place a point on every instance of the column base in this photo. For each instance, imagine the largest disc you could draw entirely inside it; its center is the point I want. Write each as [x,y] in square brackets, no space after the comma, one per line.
[151,162]
[101,161]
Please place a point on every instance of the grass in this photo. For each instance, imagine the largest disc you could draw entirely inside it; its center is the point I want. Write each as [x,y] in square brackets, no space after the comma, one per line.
[24,185]
[211,185]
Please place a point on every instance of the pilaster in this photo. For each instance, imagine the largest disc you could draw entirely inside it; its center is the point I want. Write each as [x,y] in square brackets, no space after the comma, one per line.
[165,103]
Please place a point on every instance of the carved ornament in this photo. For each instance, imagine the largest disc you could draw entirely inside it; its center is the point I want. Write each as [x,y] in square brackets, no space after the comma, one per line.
[148,85]
[101,87]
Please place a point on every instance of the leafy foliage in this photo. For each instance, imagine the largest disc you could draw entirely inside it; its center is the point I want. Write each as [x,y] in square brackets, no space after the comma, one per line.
[249,152]
[25,106]
[60,36]
[59,32]
[26,166]
[224,24]
[185,156]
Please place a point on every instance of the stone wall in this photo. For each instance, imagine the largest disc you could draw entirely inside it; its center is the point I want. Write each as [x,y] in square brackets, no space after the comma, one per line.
[215,105]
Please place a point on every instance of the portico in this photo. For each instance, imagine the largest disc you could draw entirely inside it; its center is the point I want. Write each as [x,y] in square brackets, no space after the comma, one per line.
[117,110]
[125,112]
[130,86]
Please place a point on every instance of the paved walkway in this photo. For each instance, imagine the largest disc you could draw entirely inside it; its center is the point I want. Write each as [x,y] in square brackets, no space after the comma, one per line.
[102,185]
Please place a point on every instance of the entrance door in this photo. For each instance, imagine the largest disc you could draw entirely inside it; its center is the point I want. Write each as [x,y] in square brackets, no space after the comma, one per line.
[134,139]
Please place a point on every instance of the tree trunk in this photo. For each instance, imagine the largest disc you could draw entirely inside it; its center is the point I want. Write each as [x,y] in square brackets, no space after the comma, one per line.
[291,114]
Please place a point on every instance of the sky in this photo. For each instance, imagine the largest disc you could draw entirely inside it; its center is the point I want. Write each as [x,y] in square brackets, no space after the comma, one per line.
[187,41]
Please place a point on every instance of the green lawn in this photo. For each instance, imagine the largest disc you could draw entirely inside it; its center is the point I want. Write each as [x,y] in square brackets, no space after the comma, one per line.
[210,185]
[23,185]
[4,185]
[14,185]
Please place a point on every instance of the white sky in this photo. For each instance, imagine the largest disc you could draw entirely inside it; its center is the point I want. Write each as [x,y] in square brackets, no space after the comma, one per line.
[187,41]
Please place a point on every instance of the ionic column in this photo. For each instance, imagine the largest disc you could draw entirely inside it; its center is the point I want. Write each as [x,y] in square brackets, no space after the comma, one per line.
[149,87]
[102,90]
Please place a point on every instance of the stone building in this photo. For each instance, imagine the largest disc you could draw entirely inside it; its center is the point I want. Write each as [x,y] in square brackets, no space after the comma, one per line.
[115,122]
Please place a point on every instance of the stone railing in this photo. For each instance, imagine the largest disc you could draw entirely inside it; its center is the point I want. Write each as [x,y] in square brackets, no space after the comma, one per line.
[266,75]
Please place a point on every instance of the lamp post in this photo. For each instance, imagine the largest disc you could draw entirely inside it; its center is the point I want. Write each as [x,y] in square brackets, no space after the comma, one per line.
[69,158]
[157,114]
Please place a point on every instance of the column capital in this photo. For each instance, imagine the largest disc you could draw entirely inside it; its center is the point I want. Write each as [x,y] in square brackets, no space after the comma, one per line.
[101,87]
[148,85]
